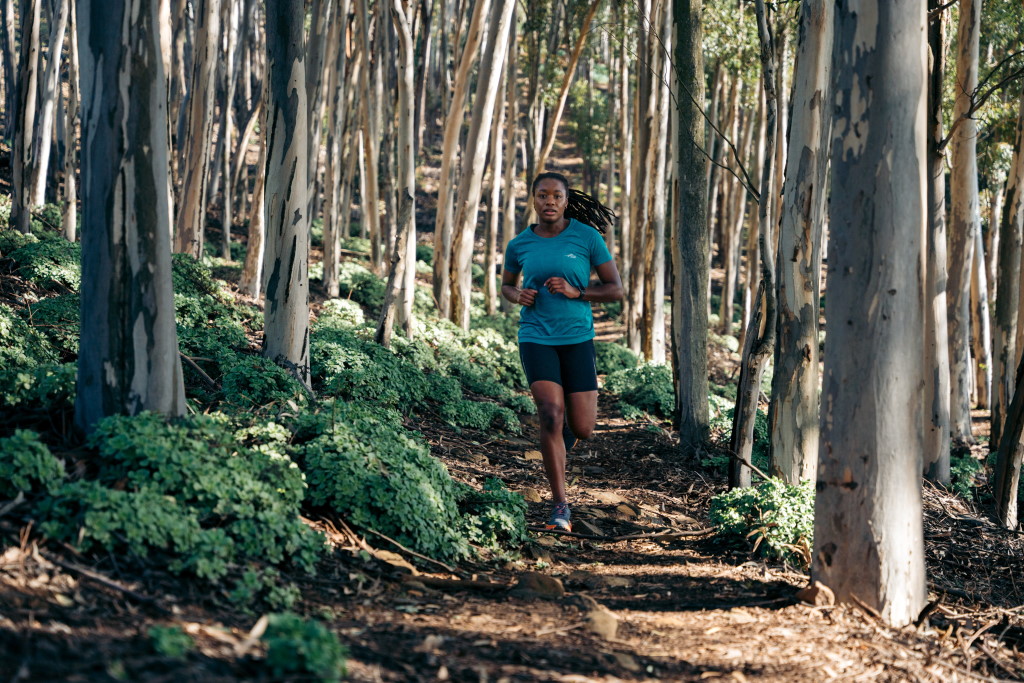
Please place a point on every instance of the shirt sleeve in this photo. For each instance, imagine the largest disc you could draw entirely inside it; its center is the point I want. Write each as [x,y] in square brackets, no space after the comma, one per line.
[511,260]
[599,253]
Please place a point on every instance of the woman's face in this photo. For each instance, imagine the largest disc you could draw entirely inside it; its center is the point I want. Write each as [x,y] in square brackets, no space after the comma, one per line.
[550,199]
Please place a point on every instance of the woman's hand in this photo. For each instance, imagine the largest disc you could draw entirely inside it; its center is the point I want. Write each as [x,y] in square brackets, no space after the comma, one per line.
[526,297]
[558,285]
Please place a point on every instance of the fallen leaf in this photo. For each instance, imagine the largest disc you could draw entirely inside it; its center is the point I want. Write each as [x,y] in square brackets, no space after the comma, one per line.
[533,455]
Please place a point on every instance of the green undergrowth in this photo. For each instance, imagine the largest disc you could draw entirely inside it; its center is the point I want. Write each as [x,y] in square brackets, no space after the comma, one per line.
[773,519]
[643,390]
[217,496]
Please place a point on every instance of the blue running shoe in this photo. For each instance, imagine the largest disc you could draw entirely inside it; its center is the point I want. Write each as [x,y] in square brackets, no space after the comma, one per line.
[560,518]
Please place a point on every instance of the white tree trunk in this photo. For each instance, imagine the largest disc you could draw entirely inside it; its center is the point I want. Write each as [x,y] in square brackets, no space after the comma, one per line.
[401,11]
[794,428]
[28,85]
[251,281]
[191,219]
[468,201]
[128,355]
[70,217]
[654,304]
[981,335]
[286,314]
[868,536]
[47,104]
[964,222]
[936,347]
[449,159]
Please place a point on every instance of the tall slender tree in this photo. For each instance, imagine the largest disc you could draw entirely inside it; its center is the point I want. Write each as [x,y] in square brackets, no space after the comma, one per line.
[195,144]
[868,535]
[794,425]
[286,313]
[690,239]
[28,85]
[128,354]
[964,221]
[936,343]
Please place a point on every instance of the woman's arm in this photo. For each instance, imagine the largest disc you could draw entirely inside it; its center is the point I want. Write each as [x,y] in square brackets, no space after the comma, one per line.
[610,288]
[513,293]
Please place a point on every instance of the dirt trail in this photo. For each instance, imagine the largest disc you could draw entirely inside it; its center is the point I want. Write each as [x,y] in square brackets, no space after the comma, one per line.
[689,609]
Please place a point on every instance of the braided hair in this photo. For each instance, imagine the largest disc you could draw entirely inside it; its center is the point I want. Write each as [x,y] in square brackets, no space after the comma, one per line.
[580,206]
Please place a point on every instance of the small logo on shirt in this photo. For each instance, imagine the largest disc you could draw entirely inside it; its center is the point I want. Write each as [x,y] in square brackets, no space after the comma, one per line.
[570,255]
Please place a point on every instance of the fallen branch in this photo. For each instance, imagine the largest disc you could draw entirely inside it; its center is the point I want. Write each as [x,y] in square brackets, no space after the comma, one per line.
[414,553]
[104,581]
[202,375]
[457,584]
[669,535]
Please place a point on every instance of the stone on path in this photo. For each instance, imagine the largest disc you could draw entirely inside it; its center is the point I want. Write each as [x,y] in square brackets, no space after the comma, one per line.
[534,585]
[530,495]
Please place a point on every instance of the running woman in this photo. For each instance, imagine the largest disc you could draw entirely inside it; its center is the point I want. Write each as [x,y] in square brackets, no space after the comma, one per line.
[556,326]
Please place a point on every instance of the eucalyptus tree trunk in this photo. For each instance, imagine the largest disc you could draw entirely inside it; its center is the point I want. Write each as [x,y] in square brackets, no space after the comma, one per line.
[760,334]
[401,262]
[339,91]
[494,212]
[731,231]
[936,343]
[195,145]
[794,428]
[751,280]
[449,160]
[868,536]
[286,313]
[981,334]
[28,85]
[508,212]
[9,57]
[468,200]
[626,142]
[369,195]
[251,281]
[1008,302]
[643,115]
[963,222]
[654,289]
[690,240]
[425,64]
[70,217]
[128,354]
[563,93]
[38,173]
[230,22]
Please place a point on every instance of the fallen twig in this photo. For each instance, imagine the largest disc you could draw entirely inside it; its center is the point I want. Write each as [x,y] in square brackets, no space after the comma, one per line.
[104,581]
[457,584]
[414,553]
[657,536]
[202,375]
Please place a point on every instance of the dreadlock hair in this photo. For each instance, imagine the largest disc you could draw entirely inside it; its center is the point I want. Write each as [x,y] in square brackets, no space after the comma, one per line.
[581,206]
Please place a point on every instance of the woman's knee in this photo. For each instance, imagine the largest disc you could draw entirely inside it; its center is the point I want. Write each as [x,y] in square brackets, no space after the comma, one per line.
[551,416]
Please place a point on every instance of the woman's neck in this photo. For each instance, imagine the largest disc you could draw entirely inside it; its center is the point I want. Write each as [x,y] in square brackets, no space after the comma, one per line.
[553,228]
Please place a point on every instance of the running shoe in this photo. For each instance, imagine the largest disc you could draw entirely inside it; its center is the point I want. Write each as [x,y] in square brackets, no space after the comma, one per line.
[560,518]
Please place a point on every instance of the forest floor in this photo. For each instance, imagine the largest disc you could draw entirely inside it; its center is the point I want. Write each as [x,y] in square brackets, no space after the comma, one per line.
[651,595]
[680,607]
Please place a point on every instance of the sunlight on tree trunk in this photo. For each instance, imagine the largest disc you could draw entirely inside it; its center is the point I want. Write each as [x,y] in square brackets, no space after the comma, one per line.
[794,427]
[868,536]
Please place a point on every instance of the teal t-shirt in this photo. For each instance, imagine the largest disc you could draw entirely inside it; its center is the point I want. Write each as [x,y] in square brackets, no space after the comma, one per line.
[555,319]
